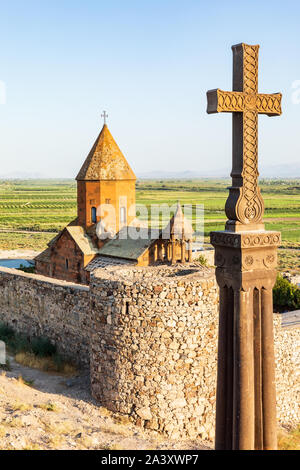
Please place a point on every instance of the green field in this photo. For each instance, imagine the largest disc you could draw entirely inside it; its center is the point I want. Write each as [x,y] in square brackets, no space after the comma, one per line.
[32,211]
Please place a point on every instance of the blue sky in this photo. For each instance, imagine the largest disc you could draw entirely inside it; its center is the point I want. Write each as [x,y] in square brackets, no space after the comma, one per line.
[149,63]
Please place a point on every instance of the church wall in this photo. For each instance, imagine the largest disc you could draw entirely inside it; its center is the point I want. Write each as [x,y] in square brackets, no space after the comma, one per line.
[41,306]
[88,196]
[149,256]
[42,267]
[67,259]
[118,193]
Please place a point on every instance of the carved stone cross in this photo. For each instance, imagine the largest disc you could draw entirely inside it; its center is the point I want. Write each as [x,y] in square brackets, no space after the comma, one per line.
[246,260]
[244,205]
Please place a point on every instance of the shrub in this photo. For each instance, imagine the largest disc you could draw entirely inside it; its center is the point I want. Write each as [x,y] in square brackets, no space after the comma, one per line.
[52,363]
[202,260]
[42,347]
[285,294]
[20,343]
[26,269]
[6,333]
[6,366]
[49,406]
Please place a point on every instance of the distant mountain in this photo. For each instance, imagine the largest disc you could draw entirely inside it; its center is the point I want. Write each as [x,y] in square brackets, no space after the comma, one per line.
[220,173]
[288,170]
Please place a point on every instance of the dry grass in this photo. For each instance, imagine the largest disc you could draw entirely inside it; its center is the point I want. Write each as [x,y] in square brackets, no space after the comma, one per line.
[112,447]
[64,428]
[22,381]
[58,432]
[19,406]
[14,423]
[2,431]
[289,440]
[122,419]
[32,446]
[121,430]
[104,411]
[56,441]
[85,442]
[49,406]
[46,364]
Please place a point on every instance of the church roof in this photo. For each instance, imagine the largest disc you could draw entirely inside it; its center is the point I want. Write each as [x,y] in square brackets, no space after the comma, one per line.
[44,256]
[105,161]
[179,226]
[124,246]
[83,241]
[105,262]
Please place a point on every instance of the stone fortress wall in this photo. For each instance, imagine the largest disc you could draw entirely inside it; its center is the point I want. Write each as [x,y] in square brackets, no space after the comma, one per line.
[151,337]
[42,306]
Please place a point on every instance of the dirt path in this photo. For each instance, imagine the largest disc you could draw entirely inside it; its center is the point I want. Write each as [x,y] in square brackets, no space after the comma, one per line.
[49,411]
[18,254]
[11,230]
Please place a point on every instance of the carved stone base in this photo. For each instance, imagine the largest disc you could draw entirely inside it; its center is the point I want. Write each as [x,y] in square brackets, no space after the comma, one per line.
[246,403]
[236,226]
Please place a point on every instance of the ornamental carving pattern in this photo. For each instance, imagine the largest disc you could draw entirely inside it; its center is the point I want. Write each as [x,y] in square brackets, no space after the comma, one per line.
[246,240]
[250,204]
[229,102]
[262,239]
[237,260]
[250,65]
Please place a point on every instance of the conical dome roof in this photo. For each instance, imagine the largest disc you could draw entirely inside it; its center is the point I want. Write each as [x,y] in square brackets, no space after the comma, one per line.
[105,161]
[179,226]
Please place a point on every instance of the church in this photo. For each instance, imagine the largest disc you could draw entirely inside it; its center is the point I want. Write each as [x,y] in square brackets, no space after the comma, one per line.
[100,234]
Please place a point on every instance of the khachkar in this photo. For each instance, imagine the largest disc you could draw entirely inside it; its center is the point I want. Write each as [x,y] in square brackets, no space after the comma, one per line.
[246,259]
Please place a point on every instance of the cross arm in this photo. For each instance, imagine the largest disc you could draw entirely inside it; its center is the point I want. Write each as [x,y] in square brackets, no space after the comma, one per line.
[219,101]
[269,104]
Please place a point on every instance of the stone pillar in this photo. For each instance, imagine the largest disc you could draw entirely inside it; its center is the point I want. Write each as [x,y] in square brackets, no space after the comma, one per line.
[183,251]
[155,253]
[173,251]
[160,251]
[269,425]
[190,252]
[166,250]
[246,272]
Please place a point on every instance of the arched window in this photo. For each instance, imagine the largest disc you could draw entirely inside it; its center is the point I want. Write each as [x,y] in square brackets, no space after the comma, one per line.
[123,215]
[94,215]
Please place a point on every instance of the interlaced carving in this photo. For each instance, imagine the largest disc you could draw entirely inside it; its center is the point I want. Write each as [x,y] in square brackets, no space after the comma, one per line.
[250,71]
[250,204]
[234,101]
[269,104]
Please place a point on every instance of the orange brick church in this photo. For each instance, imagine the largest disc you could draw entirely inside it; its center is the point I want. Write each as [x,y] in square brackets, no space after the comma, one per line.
[98,237]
